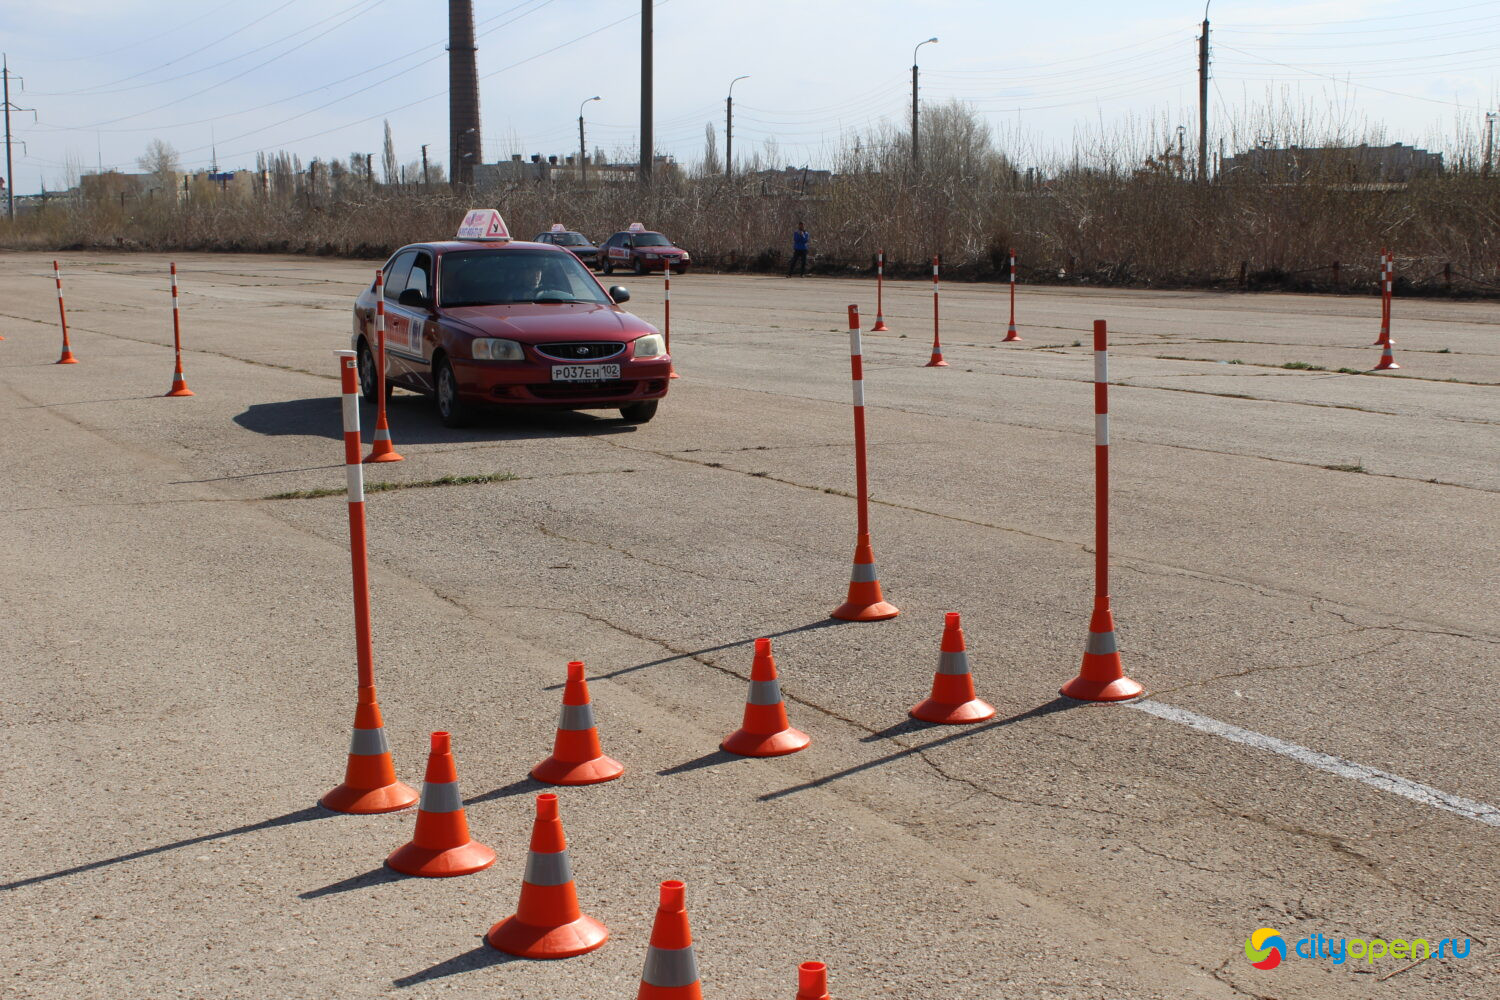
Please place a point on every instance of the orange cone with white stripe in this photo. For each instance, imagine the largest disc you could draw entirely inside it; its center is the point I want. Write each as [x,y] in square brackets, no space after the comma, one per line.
[765,731]
[864,602]
[441,847]
[179,382]
[812,981]
[1387,360]
[577,758]
[671,971]
[66,357]
[370,784]
[548,922]
[952,701]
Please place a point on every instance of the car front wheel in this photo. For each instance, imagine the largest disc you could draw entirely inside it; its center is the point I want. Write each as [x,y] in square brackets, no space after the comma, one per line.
[609,268]
[639,413]
[368,376]
[452,410]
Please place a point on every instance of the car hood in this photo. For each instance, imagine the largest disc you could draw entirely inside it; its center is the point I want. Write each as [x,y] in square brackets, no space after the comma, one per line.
[551,323]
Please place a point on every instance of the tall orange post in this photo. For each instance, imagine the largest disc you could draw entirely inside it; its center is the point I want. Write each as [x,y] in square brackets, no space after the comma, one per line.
[1010,333]
[879,326]
[1102,677]
[666,303]
[937,345]
[381,448]
[864,602]
[1387,267]
[62,314]
[179,383]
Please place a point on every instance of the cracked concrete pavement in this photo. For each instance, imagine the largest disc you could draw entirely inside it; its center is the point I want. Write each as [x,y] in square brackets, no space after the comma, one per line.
[182,660]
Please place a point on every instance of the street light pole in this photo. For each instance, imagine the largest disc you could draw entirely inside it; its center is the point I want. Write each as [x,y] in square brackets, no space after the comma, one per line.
[729,129]
[915,156]
[1203,98]
[583,160]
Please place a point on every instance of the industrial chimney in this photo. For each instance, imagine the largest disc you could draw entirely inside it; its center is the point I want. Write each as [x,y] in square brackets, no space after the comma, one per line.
[463,95]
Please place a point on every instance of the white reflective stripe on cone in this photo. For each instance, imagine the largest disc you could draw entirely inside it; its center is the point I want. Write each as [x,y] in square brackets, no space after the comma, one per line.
[440,797]
[548,869]
[953,663]
[1102,644]
[382,434]
[764,692]
[368,743]
[863,573]
[575,717]
[669,968]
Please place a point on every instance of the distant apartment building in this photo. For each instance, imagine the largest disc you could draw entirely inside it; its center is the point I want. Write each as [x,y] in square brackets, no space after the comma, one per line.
[1362,164]
[561,169]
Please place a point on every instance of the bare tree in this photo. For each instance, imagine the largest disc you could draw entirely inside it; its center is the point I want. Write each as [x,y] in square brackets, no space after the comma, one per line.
[388,157]
[161,161]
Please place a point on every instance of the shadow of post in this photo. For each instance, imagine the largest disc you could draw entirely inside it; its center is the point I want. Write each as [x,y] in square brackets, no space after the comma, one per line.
[481,957]
[376,876]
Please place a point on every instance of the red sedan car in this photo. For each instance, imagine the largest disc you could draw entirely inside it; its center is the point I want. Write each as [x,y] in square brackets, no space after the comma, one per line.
[641,250]
[474,322]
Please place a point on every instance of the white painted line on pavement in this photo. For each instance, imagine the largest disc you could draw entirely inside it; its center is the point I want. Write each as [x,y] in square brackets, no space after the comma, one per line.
[1386,782]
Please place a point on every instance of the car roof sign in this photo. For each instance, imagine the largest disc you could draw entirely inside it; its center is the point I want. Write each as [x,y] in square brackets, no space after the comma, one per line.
[557,227]
[483,224]
[635,227]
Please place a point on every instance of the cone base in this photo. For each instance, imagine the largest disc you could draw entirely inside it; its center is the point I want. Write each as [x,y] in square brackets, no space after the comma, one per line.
[673,374]
[946,713]
[588,772]
[184,391]
[936,363]
[426,862]
[748,744]
[360,801]
[386,456]
[1383,368]
[693,991]
[577,938]
[1119,689]
[877,612]
[1010,338]
[67,359]
[879,326]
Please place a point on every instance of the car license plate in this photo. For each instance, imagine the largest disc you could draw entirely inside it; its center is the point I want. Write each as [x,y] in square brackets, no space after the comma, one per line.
[584,373]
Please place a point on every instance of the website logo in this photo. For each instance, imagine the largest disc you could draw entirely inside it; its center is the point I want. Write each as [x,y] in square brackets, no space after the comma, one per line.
[1265,948]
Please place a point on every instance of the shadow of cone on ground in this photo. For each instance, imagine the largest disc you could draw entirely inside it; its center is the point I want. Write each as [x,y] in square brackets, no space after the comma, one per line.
[765,731]
[441,846]
[547,922]
[370,784]
[671,971]
[952,701]
[577,758]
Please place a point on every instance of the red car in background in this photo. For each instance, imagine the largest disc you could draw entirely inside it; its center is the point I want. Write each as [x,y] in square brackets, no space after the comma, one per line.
[488,322]
[642,250]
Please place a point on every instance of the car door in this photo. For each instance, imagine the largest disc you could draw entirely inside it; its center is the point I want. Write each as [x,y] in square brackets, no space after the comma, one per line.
[406,325]
[619,249]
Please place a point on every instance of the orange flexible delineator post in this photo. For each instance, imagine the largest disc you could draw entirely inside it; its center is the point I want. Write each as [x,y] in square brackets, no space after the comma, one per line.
[765,731]
[441,846]
[381,448]
[671,971]
[812,981]
[879,326]
[1102,676]
[547,922]
[937,346]
[1387,359]
[62,314]
[1011,336]
[179,383]
[666,305]
[577,758]
[953,701]
[864,602]
[1387,274]
[370,784]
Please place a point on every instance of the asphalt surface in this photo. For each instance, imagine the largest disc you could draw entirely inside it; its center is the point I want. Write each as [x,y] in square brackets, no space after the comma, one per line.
[180,678]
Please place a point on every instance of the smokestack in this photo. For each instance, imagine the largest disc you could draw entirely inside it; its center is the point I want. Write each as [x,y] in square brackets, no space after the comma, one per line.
[463,94]
[648,144]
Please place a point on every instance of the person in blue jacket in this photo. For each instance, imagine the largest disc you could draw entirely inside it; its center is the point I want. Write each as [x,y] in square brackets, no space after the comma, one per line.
[800,239]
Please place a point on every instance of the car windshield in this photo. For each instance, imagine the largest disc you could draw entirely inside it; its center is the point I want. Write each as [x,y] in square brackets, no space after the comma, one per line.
[569,240]
[650,240]
[493,278]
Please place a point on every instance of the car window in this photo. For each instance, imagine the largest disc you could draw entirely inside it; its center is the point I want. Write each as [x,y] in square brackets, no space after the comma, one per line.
[570,240]
[481,278]
[651,240]
[421,276]
[396,274]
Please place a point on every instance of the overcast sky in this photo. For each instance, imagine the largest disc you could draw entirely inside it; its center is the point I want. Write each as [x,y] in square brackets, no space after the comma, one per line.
[317,77]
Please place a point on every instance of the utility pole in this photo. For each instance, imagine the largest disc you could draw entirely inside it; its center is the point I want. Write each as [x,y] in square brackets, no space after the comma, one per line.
[1489,140]
[583,157]
[648,144]
[729,129]
[463,95]
[916,159]
[1203,99]
[424,166]
[10,175]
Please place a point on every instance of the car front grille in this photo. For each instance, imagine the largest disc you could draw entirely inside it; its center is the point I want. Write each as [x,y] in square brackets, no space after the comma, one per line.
[586,351]
[583,390]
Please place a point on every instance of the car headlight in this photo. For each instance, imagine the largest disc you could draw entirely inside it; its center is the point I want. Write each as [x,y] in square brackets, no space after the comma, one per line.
[495,349]
[685,258]
[652,345]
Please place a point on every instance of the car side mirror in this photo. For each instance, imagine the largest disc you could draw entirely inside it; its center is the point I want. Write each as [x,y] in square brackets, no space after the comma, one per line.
[619,293]
[413,298]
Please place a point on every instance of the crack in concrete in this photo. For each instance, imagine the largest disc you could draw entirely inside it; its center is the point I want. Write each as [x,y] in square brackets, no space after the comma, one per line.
[1279,668]
[547,532]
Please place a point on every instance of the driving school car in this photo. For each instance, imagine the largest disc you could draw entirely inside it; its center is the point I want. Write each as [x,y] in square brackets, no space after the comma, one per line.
[481,320]
[642,250]
[581,246]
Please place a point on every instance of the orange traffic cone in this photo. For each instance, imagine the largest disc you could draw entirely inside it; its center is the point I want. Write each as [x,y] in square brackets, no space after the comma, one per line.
[937,358]
[864,602]
[1011,336]
[381,448]
[577,758]
[548,922]
[1387,360]
[812,981]
[765,731]
[952,701]
[879,326]
[370,784]
[441,847]
[1102,676]
[671,971]
[179,383]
